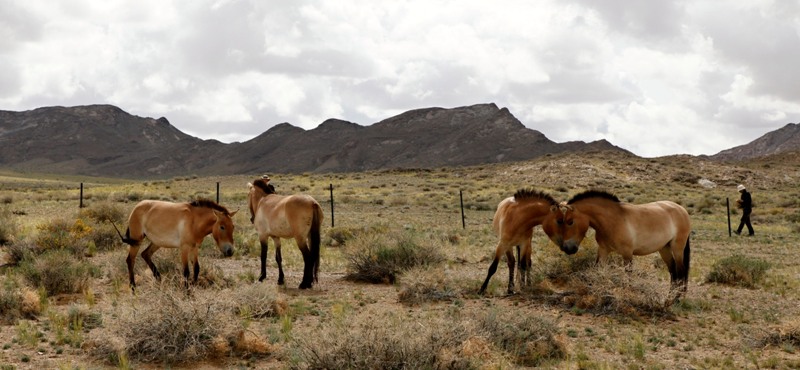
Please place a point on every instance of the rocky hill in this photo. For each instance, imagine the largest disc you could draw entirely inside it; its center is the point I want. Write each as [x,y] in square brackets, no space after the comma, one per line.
[103,140]
[782,140]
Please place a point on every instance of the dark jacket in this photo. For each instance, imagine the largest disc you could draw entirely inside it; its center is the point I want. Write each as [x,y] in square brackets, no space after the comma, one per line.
[747,201]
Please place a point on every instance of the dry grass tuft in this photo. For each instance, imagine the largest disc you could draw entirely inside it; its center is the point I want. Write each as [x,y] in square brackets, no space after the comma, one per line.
[17,301]
[615,289]
[172,328]
[425,284]
[384,343]
[529,340]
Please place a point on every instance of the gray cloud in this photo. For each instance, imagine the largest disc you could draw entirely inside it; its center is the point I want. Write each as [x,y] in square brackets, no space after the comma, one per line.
[654,77]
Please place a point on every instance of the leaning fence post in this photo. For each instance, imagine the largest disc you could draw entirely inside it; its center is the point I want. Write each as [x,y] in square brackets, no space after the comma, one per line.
[332,214]
[728,206]
[463,219]
[80,205]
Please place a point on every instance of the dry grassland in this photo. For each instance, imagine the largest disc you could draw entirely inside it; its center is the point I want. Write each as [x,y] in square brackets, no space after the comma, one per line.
[65,301]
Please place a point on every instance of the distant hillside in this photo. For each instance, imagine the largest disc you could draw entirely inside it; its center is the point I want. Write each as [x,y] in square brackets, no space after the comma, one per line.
[782,140]
[103,140]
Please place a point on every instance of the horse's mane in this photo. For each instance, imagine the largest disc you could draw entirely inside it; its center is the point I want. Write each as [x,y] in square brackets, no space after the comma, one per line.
[207,203]
[534,194]
[594,194]
[264,186]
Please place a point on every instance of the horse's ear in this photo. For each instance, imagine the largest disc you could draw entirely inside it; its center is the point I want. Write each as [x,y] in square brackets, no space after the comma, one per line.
[233,213]
[249,185]
[554,208]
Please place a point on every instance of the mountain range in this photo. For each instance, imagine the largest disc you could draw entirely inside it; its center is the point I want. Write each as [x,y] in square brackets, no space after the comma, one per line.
[104,140]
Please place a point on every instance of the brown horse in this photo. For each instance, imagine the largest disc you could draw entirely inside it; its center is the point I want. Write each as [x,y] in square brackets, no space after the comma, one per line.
[513,222]
[276,216]
[176,225]
[630,230]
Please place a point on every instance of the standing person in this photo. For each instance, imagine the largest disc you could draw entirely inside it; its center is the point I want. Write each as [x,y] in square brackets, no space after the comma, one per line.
[746,202]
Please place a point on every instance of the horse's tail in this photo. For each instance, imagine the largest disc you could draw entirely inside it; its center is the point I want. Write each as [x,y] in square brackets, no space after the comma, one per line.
[314,238]
[125,239]
[687,258]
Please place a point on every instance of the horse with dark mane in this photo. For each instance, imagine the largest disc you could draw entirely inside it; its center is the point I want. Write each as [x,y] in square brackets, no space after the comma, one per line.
[630,230]
[513,222]
[176,225]
[297,216]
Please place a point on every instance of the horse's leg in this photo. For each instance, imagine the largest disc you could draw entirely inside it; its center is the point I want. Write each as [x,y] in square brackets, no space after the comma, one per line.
[185,263]
[133,250]
[147,255]
[264,248]
[308,263]
[602,254]
[195,252]
[511,262]
[493,267]
[666,256]
[279,259]
[526,263]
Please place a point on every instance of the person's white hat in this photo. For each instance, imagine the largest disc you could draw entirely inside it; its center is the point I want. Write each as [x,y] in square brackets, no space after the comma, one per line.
[740,187]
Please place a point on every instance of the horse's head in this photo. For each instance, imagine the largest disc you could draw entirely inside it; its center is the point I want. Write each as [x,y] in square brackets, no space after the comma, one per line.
[572,228]
[223,232]
[257,190]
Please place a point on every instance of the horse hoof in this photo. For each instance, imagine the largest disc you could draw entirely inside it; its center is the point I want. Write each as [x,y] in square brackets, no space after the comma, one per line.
[305,286]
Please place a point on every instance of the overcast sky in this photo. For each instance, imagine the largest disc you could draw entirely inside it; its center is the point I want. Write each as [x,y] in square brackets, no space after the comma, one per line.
[654,77]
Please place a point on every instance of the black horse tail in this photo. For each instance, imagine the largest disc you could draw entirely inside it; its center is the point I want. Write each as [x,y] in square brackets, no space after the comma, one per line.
[314,238]
[125,239]
[687,258]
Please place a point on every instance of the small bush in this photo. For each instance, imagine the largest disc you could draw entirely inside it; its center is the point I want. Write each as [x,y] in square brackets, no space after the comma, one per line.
[379,258]
[103,212]
[529,339]
[63,234]
[738,270]
[8,227]
[58,272]
[340,235]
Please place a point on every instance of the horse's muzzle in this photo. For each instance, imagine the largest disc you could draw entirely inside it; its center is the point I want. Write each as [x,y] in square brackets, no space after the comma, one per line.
[570,248]
[227,250]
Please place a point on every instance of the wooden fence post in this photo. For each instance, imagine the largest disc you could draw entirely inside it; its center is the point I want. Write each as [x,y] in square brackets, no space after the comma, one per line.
[217,192]
[80,205]
[332,214]
[463,218]
[728,206]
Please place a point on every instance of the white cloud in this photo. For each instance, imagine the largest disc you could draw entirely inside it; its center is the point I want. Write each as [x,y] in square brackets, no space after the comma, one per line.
[656,78]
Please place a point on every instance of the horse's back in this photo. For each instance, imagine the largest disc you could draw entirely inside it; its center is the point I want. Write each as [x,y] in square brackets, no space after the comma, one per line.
[287,216]
[501,214]
[162,222]
[653,225]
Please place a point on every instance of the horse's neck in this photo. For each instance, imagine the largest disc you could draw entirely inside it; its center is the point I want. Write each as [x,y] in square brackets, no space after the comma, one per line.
[602,215]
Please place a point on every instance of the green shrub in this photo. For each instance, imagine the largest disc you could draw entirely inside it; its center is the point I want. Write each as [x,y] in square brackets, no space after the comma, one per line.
[379,258]
[738,270]
[58,272]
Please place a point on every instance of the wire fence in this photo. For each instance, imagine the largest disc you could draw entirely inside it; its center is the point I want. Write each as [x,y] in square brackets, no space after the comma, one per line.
[349,210]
